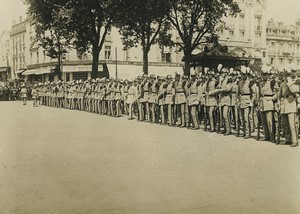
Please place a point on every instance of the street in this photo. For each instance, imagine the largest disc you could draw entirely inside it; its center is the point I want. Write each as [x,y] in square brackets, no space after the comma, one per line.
[71,162]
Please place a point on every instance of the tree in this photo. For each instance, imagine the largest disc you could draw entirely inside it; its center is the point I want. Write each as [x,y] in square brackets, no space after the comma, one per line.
[81,23]
[143,22]
[49,19]
[194,20]
[90,21]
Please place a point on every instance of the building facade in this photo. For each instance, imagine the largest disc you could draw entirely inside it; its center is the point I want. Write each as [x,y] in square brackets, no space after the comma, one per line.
[283,44]
[5,70]
[31,62]
[245,33]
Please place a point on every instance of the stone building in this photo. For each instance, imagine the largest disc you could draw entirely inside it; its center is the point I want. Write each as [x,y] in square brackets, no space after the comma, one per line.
[245,33]
[283,45]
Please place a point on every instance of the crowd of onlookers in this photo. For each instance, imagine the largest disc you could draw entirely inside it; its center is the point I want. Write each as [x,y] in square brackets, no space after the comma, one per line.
[10,91]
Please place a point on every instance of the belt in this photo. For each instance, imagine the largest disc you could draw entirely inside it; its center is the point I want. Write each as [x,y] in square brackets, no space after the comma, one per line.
[118,92]
[267,95]
[193,93]
[245,94]
[169,93]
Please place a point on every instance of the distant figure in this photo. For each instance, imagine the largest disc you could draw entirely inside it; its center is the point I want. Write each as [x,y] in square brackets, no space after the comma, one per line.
[24,94]
[34,95]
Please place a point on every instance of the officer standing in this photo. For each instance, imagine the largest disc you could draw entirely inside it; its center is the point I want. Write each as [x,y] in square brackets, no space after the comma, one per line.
[169,100]
[180,100]
[153,116]
[23,94]
[266,105]
[194,101]
[244,99]
[288,109]
[211,101]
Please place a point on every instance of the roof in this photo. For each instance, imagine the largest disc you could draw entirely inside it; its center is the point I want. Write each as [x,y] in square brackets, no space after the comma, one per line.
[219,53]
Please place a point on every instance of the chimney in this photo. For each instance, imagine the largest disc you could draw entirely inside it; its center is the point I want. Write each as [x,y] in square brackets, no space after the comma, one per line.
[20,18]
[14,22]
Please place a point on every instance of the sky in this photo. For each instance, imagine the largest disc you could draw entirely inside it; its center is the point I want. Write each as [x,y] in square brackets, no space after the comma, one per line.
[280,10]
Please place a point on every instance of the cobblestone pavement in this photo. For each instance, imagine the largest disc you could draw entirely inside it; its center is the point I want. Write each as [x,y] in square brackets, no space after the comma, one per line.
[68,162]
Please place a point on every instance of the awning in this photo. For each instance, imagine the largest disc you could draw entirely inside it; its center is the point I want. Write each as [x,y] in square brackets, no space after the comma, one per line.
[29,72]
[42,72]
[20,71]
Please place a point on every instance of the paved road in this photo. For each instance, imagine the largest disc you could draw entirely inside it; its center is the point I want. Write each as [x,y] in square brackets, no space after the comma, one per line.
[69,162]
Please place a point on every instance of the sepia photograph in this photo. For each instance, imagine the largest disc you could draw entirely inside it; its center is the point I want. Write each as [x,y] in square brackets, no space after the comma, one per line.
[149,107]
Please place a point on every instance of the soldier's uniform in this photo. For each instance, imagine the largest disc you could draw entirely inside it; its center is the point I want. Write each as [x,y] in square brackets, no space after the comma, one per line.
[132,95]
[125,96]
[288,110]
[225,100]
[245,102]
[169,100]
[34,95]
[234,98]
[118,91]
[211,100]
[266,106]
[161,99]
[180,101]
[23,93]
[202,99]
[153,100]
[145,95]
[60,94]
[194,101]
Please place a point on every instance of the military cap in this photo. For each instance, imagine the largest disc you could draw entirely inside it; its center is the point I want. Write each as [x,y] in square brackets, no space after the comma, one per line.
[225,70]
[185,77]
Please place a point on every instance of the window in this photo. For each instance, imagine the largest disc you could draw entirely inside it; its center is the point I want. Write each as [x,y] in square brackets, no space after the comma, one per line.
[107,52]
[166,57]
[290,61]
[258,23]
[272,61]
[242,35]
[37,57]
[231,35]
[281,61]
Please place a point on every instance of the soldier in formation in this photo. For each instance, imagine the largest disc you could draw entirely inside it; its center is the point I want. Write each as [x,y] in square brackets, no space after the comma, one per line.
[226,101]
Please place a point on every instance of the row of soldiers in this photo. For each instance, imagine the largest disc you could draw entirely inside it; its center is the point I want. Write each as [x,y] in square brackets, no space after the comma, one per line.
[230,99]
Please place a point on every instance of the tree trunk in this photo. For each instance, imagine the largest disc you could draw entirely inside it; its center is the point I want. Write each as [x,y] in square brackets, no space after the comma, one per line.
[145,59]
[59,69]
[187,63]
[95,63]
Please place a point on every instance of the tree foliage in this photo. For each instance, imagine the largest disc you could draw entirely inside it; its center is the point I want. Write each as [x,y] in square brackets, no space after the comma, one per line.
[83,24]
[142,22]
[49,22]
[196,19]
